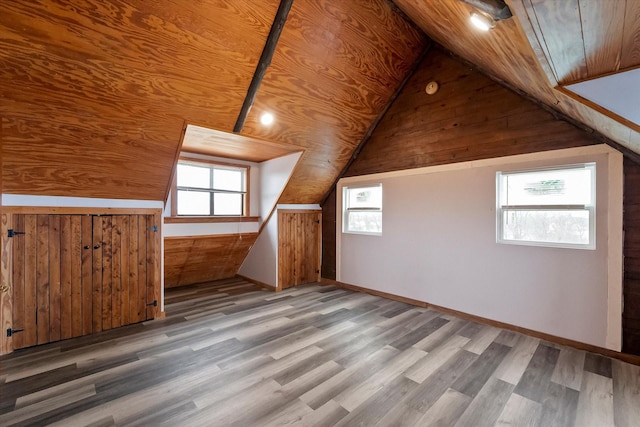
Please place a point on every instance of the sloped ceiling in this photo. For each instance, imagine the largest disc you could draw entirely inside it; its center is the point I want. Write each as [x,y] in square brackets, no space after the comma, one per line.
[544,39]
[96,95]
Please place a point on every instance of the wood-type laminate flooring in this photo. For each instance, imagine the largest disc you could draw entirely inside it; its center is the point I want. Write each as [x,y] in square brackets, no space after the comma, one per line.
[231,354]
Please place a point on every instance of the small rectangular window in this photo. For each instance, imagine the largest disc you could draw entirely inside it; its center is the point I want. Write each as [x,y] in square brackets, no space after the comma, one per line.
[207,189]
[547,207]
[362,210]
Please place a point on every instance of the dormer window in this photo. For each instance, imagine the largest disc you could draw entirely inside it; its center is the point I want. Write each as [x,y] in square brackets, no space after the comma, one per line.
[211,189]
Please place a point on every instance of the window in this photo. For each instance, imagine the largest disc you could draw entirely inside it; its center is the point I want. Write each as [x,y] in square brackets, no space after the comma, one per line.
[206,189]
[362,210]
[548,207]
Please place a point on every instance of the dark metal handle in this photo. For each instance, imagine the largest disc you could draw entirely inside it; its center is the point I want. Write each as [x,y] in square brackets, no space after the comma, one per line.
[96,246]
[87,247]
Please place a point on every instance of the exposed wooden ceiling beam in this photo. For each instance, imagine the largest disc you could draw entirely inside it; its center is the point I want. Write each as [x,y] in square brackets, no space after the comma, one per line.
[375,123]
[265,59]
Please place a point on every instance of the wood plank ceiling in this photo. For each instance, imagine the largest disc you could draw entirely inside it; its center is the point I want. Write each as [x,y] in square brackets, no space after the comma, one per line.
[545,39]
[96,95]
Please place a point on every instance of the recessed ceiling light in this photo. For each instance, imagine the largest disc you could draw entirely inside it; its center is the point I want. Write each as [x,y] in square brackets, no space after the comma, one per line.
[266,119]
[482,21]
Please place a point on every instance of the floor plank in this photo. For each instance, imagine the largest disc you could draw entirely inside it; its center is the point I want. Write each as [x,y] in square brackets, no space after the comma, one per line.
[230,353]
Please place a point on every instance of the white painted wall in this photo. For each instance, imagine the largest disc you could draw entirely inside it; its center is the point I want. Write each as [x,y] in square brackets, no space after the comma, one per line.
[439,245]
[274,175]
[261,263]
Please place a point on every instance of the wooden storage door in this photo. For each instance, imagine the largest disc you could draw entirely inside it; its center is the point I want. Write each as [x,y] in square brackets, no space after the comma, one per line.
[298,247]
[75,275]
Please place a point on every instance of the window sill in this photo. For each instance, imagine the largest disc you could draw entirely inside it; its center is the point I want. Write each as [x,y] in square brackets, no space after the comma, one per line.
[208,219]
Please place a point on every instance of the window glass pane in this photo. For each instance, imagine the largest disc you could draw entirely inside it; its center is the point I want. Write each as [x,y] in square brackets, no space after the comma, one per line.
[366,222]
[193,203]
[552,187]
[225,179]
[364,197]
[560,226]
[193,176]
[227,204]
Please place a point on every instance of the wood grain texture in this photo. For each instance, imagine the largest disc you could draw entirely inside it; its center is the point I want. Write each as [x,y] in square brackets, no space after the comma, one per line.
[6,279]
[189,260]
[515,51]
[202,140]
[471,117]
[298,247]
[631,37]
[230,353]
[72,277]
[335,67]
[561,29]
[631,286]
[95,88]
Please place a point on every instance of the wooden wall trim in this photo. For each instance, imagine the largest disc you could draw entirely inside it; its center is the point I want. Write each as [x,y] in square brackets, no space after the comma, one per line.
[208,219]
[6,311]
[57,210]
[629,358]
[207,236]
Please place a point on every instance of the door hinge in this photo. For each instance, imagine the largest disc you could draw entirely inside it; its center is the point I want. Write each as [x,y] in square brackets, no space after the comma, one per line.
[11,232]
[154,303]
[154,228]
[10,331]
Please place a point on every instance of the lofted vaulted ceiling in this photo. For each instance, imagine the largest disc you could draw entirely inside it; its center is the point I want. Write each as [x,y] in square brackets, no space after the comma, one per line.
[95,96]
[547,43]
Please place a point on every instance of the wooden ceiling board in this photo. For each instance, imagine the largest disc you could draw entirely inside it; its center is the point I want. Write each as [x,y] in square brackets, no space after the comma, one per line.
[232,146]
[334,69]
[503,51]
[602,35]
[630,56]
[97,93]
[561,30]
[514,53]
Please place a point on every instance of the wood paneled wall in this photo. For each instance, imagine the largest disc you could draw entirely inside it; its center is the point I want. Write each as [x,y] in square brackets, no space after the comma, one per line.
[470,118]
[198,259]
[5,298]
[298,247]
[631,218]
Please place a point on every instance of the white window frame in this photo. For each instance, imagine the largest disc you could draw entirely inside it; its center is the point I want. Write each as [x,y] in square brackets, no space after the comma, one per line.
[346,210]
[590,208]
[212,191]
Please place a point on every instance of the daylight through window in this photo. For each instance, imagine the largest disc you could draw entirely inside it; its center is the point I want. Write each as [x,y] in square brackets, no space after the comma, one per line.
[362,210]
[211,189]
[548,207]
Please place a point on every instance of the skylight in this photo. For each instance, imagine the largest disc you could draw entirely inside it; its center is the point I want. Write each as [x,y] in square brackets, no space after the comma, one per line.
[619,93]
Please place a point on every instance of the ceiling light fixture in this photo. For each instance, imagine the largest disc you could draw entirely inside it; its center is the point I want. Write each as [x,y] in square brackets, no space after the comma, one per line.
[488,12]
[266,119]
[482,21]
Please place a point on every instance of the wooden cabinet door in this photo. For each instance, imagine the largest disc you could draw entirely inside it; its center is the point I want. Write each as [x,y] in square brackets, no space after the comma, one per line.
[75,275]
[298,247]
